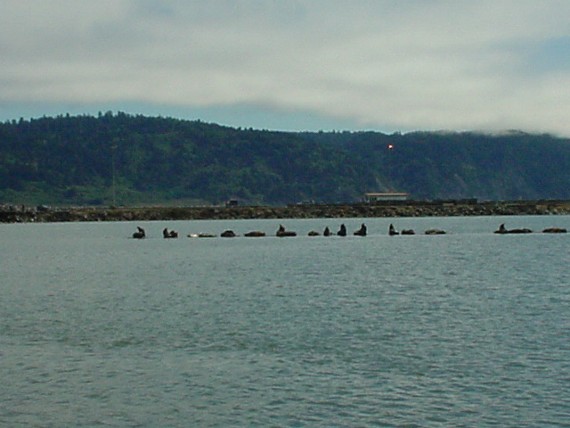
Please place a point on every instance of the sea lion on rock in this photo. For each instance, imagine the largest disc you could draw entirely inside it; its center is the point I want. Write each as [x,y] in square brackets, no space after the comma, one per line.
[254,234]
[169,234]
[503,230]
[140,233]
[281,232]
[362,231]
[435,232]
[523,230]
[554,230]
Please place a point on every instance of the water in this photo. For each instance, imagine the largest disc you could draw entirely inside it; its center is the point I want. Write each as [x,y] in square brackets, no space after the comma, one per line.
[465,329]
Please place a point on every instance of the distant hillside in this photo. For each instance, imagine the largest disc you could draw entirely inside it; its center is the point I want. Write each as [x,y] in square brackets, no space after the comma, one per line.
[124,159]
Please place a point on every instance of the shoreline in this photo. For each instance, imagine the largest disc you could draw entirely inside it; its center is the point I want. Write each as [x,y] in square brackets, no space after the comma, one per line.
[461,208]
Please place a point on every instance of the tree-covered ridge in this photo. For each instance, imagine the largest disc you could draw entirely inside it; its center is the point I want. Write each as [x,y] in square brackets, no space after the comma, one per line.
[465,165]
[82,159]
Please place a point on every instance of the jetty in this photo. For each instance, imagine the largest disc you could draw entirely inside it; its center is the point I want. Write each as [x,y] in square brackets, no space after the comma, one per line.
[392,209]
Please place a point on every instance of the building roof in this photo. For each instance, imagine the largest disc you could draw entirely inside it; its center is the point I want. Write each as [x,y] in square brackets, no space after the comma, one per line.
[386,194]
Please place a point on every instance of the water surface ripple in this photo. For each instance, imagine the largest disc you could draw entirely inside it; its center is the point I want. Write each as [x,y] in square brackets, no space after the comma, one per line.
[465,329]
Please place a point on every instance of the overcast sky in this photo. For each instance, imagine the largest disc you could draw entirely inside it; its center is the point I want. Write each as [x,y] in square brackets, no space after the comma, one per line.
[293,64]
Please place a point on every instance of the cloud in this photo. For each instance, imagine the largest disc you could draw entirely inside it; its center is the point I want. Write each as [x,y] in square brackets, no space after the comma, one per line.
[406,65]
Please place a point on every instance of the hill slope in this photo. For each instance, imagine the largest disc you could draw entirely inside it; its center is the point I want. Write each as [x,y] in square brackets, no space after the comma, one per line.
[135,159]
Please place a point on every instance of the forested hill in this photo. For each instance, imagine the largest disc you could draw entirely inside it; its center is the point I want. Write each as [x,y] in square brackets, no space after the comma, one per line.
[124,159]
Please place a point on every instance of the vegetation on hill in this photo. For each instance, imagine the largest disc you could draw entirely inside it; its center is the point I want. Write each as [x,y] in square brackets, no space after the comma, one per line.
[125,160]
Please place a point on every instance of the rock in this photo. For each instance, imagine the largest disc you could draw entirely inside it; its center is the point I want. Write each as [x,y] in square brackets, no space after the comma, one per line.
[435,232]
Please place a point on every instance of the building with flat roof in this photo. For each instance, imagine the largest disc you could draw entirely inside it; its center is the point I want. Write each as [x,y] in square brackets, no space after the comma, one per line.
[386,196]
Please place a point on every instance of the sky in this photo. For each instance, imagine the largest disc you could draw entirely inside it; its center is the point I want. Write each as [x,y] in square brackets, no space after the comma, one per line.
[384,65]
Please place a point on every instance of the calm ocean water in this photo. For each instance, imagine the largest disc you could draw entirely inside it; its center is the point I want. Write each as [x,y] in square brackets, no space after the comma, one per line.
[465,329]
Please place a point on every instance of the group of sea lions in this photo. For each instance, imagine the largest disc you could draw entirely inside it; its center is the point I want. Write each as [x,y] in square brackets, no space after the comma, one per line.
[141,234]
[281,233]
[169,233]
[502,230]
[362,231]
[392,231]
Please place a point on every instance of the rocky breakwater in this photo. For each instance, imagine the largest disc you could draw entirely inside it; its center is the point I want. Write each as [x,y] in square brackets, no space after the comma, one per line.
[22,214]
